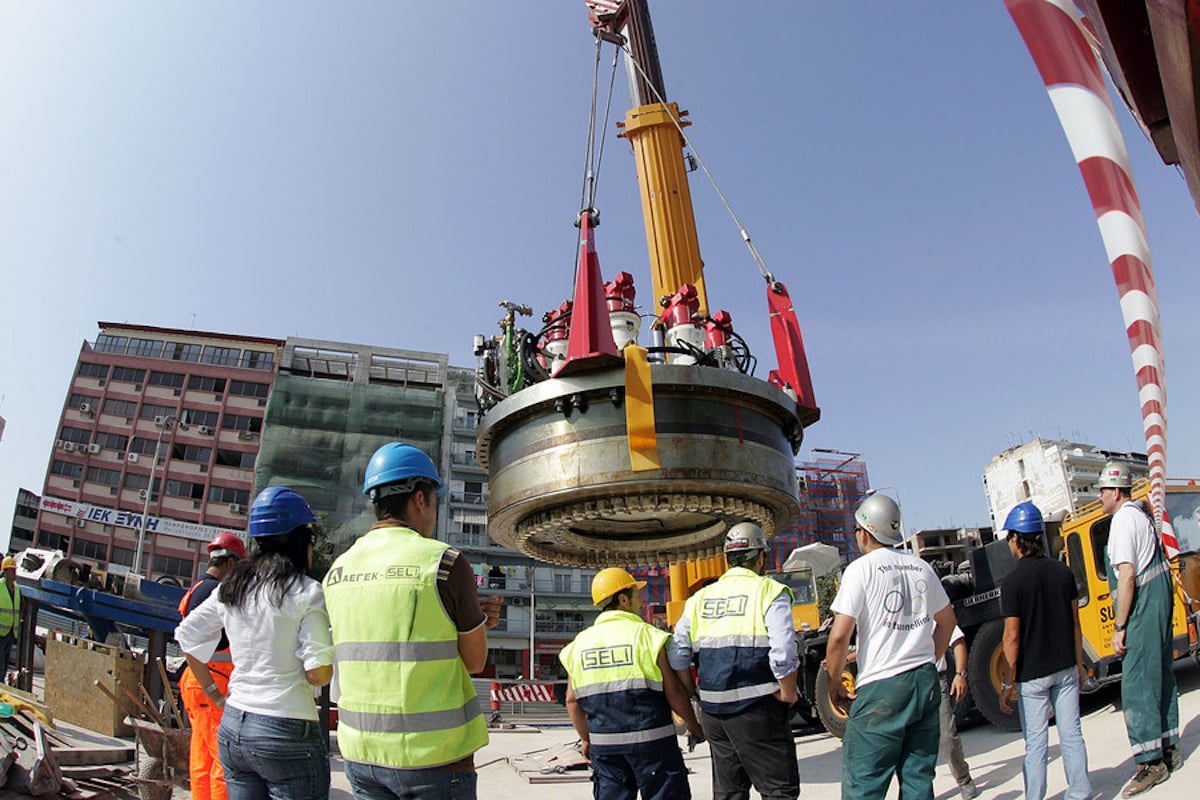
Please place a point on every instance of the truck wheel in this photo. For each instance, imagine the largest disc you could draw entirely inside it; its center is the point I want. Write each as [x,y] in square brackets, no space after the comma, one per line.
[833,720]
[985,668]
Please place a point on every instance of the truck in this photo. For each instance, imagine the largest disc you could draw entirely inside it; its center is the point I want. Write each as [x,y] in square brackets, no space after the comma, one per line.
[1079,540]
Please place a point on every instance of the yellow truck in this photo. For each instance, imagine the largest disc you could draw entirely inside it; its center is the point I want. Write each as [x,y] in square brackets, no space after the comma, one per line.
[1079,540]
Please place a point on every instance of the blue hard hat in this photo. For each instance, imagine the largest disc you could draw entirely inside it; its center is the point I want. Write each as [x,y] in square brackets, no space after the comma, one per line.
[1025,518]
[400,463]
[278,510]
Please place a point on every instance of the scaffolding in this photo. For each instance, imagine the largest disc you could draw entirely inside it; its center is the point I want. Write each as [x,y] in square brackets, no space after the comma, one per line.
[330,409]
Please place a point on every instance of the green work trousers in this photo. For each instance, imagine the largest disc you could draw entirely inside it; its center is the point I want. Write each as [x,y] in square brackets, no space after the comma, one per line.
[893,729]
[1148,695]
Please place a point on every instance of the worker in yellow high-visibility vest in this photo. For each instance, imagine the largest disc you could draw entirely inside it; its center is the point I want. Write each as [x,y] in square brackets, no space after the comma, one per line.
[408,632]
[10,613]
[620,694]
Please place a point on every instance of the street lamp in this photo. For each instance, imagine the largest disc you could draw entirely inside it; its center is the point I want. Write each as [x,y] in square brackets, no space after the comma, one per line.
[903,536]
[163,424]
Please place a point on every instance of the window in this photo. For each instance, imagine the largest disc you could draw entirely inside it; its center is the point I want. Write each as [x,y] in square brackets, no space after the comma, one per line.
[191,452]
[135,481]
[146,348]
[1099,545]
[76,435]
[234,422]
[52,541]
[66,469]
[128,374]
[172,379]
[177,351]
[248,389]
[208,418]
[120,408]
[142,446]
[87,370]
[110,344]
[474,527]
[97,551]
[150,411]
[112,441]
[77,399]
[232,458]
[170,565]
[1075,561]
[225,356]
[106,476]
[121,555]
[185,489]
[258,359]
[207,384]
[227,494]
[562,582]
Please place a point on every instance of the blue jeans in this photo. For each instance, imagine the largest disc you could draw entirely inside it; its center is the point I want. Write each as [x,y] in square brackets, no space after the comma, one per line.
[1034,698]
[272,758]
[373,782]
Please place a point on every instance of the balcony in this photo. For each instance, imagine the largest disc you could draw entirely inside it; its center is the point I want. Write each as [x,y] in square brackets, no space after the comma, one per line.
[472,540]
[466,424]
[465,461]
[469,498]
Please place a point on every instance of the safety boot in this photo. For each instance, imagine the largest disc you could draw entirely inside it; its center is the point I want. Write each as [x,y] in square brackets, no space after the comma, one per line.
[1147,776]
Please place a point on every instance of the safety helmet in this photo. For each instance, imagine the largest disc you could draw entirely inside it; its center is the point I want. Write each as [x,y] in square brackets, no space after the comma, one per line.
[610,581]
[1115,475]
[1025,519]
[879,515]
[743,537]
[397,468]
[278,510]
[226,543]
[8,563]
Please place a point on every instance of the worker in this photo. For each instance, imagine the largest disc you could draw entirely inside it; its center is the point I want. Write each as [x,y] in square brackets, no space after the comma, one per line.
[10,613]
[741,632]
[270,739]
[409,632]
[204,763]
[620,694]
[1139,577]
[954,690]
[904,621]
[1043,654]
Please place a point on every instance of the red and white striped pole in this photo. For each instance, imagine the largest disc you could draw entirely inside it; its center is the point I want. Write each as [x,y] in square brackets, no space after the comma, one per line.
[1056,39]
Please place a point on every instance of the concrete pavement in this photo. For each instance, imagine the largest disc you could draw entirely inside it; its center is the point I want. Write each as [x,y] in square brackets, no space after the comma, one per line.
[995,757]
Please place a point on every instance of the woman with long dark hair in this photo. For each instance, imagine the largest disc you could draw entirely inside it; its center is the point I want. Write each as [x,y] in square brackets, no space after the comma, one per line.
[270,741]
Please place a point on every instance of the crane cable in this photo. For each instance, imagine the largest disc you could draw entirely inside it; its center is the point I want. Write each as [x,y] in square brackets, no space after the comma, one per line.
[758,259]
[595,154]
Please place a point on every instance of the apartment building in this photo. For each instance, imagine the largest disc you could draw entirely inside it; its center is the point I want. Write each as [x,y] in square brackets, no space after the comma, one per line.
[156,447]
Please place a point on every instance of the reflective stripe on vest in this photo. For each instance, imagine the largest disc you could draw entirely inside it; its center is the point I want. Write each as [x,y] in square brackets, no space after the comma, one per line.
[617,681]
[731,642]
[406,699]
[10,609]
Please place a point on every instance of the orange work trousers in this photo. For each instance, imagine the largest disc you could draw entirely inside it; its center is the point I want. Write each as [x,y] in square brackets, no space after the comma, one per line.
[204,765]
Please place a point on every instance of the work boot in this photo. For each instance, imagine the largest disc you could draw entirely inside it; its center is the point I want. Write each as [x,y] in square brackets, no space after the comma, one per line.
[969,790]
[1172,758]
[1148,775]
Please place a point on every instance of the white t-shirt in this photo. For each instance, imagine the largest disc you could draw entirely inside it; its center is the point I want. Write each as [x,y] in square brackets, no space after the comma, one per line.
[1131,538]
[955,635]
[271,648]
[892,596]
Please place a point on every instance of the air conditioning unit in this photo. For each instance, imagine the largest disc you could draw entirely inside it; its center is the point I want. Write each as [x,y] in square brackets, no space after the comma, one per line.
[247,436]
[236,508]
[80,522]
[69,447]
[94,448]
[131,458]
[515,601]
[60,443]
[204,430]
[159,421]
[141,494]
[85,408]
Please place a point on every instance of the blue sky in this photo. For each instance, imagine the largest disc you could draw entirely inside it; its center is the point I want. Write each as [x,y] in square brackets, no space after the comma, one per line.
[387,172]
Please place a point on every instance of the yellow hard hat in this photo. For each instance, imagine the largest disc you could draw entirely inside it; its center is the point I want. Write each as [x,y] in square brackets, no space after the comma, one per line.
[8,563]
[610,581]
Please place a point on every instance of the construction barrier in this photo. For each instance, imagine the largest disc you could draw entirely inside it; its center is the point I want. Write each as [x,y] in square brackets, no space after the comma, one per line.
[522,693]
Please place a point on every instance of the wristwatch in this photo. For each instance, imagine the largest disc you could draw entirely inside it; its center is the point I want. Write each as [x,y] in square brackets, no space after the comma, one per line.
[1119,628]
[1004,687]
[963,673]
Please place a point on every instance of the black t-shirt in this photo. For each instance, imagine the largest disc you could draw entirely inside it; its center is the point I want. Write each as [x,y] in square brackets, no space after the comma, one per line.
[206,585]
[1039,592]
